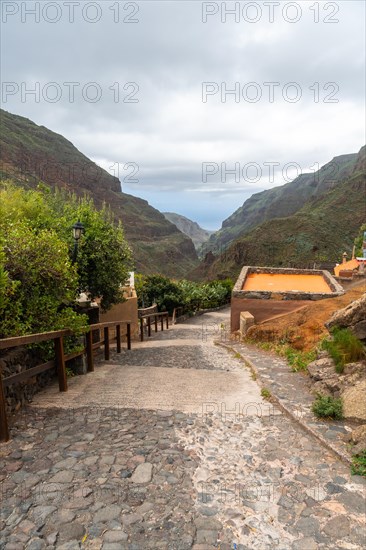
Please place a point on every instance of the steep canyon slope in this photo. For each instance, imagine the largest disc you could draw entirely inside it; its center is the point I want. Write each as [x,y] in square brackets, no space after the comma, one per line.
[32,153]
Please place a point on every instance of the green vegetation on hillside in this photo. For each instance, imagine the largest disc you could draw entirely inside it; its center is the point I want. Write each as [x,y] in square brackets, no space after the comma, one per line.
[282,201]
[319,232]
[344,347]
[297,359]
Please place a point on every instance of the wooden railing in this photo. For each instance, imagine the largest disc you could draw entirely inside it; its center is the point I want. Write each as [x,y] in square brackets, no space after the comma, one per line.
[161,316]
[195,308]
[60,358]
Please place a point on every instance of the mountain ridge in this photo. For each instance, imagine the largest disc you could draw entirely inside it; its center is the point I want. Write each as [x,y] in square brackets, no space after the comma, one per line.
[190,228]
[318,232]
[280,201]
[32,153]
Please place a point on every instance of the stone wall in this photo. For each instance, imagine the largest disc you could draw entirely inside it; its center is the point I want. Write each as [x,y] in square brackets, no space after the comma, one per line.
[262,310]
[15,361]
[266,304]
[238,291]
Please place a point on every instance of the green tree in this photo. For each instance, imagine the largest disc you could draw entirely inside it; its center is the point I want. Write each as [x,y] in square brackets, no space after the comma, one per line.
[169,294]
[160,290]
[206,295]
[104,257]
[38,283]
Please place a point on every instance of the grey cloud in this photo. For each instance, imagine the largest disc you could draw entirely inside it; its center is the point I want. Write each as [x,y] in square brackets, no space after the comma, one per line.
[169,53]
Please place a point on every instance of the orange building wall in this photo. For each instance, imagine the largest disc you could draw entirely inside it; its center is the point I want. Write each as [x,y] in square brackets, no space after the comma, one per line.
[347,266]
[126,311]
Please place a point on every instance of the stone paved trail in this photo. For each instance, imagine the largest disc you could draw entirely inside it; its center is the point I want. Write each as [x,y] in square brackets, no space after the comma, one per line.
[171,447]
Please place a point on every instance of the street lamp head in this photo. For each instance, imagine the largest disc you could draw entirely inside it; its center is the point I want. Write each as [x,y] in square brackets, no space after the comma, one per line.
[77,230]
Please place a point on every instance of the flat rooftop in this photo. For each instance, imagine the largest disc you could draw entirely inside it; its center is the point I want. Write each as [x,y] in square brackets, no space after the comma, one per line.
[285,282]
[277,283]
[267,292]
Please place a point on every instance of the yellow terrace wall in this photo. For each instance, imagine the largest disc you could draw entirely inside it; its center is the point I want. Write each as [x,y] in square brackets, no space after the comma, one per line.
[126,311]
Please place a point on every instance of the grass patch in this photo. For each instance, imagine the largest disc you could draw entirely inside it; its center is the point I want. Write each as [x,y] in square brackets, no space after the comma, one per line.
[298,360]
[265,393]
[267,346]
[343,348]
[326,406]
[237,355]
[358,467]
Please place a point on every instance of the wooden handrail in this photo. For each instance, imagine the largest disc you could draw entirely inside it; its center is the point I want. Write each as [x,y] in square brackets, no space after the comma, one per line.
[60,358]
[148,317]
[108,324]
[159,313]
[7,343]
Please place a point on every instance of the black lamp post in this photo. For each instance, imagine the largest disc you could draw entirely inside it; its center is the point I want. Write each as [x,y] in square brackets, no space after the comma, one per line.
[77,230]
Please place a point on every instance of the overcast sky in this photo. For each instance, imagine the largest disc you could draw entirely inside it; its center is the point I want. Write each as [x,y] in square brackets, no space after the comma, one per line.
[150,102]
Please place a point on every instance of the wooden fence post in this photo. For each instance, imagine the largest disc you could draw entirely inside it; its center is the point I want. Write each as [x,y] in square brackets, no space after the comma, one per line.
[167,320]
[142,329]
[60,363]
[149,326]
[4,429]
[128,336]
[118,338]
[156,323]
[106,343]
[162,322]
[89,351]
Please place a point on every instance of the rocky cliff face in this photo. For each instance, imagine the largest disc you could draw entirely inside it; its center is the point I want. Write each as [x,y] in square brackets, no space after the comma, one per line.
[189,228]
[318,232]
[353,317]
[350,384]
[31,153]
[283,201]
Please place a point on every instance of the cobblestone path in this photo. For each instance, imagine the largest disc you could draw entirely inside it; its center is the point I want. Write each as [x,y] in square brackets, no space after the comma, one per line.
[170,446]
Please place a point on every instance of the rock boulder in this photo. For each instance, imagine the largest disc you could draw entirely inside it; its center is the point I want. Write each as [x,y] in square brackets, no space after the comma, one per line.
[354,402]
[353,317]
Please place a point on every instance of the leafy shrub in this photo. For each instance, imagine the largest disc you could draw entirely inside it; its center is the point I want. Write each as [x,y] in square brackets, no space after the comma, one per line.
[205,295]
[69,372]
[343,348]
[160,290]
[168,294]
[359,464]
[38,283]
[299,360]
[326,406]
[104,257]
[265,393]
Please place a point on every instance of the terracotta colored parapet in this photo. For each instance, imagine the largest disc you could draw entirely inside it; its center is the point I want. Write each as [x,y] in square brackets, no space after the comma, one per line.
[265,287]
